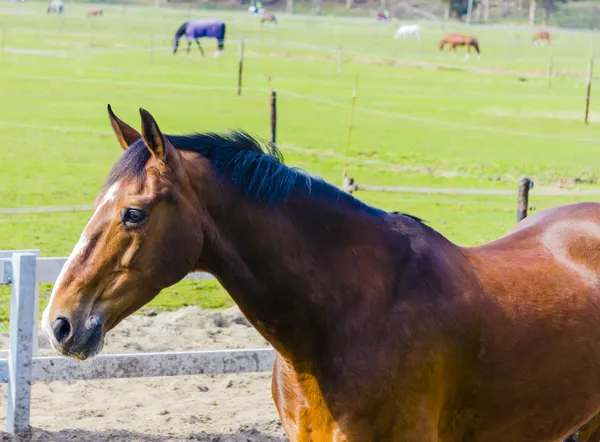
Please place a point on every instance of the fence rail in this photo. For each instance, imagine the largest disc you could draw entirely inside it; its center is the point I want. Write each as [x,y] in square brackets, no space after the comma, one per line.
[525,185]
[24,270]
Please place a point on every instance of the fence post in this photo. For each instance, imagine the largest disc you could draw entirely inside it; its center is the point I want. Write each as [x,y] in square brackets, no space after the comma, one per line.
[588,89]
[525,184]
[21,338]
[240,67]
[273,120]
[8,254]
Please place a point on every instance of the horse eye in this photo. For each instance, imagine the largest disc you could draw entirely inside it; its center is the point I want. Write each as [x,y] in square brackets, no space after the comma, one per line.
[133,217]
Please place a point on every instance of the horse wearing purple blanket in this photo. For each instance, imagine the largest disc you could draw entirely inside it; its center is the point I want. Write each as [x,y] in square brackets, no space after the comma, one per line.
[196,29]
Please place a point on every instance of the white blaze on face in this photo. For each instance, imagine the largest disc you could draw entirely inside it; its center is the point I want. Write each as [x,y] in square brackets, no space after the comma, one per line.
[79,247]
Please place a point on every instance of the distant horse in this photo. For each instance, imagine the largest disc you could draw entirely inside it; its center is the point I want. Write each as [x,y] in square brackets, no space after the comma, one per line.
[384,329]
[55,6]
[455,40]
[94,12]
[268,17]
[540,36]
[196,29]
[408,31]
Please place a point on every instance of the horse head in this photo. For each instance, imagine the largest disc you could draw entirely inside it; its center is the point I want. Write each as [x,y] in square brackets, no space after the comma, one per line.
[142,237]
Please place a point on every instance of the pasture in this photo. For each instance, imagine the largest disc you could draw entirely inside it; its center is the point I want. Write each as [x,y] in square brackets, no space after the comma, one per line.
[422,118]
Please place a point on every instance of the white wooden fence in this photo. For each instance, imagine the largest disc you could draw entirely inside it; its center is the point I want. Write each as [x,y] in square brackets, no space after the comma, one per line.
[19,366]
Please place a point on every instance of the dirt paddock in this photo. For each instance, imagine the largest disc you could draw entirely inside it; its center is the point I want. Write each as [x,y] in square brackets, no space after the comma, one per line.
[215,408]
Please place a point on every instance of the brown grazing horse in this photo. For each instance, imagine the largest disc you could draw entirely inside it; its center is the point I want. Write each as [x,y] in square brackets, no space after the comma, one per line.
[93,12]
[268,17]
[540,36]
[384,329]
[455,40]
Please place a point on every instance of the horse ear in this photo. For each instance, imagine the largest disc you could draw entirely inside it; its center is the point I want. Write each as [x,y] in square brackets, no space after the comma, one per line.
[153,137]
[126,134]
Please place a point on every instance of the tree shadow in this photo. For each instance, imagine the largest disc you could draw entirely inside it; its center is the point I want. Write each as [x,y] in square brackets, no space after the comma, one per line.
[72,435]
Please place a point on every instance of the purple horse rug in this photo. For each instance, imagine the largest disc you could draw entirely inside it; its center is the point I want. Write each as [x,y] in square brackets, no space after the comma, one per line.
[196,29]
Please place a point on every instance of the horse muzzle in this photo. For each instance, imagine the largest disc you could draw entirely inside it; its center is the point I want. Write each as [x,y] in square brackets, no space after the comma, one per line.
[77,341]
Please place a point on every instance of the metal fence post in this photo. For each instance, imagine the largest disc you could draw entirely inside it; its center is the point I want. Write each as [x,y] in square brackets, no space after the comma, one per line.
[22,304]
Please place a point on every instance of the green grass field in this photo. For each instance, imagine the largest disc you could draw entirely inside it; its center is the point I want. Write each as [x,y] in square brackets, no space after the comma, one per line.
[423,118]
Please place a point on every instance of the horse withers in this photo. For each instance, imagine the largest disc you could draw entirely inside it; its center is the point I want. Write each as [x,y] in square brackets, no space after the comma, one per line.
[406,31]
[384,329]
[455,40]
[196,29]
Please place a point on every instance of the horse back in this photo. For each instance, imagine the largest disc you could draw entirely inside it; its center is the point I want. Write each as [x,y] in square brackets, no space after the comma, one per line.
[558,248]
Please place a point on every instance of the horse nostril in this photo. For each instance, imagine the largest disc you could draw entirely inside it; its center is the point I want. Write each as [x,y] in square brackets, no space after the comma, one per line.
[62,330]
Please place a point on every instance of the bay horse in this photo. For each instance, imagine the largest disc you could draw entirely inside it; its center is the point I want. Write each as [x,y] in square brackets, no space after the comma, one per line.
[196,29]
[384,329]
[540,36]
[268,17]
[94,12]
[455,40]
[408,31]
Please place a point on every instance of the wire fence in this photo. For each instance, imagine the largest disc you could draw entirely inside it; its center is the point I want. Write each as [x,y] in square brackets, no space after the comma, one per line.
[256,48]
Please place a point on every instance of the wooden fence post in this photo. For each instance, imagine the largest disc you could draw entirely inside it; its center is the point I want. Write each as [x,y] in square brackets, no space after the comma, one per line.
[273,120]
[588,93]
[525,184]
[21,338]
[240,67]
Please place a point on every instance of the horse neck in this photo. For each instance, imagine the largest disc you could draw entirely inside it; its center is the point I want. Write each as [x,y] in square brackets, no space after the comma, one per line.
[181,30]
[296,269]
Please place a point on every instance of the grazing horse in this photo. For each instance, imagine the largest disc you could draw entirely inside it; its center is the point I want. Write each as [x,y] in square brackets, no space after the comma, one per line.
[55,6]
[268,17]
[540,36]
[384,329]
[408,31]
[455,40]
[94,12]
[196,29]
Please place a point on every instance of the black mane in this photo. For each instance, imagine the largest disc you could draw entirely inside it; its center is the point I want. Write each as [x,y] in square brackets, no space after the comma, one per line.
[244,161]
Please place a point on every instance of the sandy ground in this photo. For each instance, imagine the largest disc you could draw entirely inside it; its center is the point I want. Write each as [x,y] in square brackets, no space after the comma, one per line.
[215,408]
